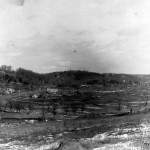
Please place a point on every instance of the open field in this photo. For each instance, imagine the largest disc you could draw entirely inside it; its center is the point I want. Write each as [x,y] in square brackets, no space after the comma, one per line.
[89,119]
[91,134]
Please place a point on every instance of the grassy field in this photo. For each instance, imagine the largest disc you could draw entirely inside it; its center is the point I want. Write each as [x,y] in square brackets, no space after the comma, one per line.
[71,130]
[100,118]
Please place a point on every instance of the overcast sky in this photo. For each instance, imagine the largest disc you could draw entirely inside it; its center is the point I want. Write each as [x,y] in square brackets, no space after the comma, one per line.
[94,35]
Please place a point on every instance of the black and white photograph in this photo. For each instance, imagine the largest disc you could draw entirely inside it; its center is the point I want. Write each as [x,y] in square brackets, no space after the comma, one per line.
[74,75]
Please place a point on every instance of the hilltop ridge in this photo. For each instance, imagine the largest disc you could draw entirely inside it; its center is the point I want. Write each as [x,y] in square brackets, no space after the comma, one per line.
[70,78]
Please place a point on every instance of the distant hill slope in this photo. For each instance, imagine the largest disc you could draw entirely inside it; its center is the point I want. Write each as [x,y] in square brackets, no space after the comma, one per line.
[71,78]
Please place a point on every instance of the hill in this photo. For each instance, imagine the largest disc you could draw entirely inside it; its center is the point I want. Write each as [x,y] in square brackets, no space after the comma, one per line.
[70,78]
[74,78]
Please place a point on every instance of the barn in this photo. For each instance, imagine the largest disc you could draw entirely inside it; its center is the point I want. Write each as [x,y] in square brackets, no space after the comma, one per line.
[52,90]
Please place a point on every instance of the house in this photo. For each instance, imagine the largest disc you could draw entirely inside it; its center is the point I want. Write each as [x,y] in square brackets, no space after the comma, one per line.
[52,90]
[9,91]
[35,96]
[125,109]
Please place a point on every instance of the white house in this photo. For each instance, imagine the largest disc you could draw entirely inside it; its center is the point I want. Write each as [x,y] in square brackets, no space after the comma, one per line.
[35,96]
[52,91]
[9,91]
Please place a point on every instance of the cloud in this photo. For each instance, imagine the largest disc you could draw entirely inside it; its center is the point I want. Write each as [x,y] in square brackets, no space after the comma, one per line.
[108,36]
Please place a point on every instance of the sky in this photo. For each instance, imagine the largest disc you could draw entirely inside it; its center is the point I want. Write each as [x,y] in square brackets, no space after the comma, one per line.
[104,36]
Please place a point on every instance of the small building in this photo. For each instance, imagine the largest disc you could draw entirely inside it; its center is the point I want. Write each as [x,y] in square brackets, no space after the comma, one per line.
[9,91]
[35,96]
[52,90]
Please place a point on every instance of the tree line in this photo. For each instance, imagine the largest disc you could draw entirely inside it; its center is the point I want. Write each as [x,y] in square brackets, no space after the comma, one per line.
[71,78]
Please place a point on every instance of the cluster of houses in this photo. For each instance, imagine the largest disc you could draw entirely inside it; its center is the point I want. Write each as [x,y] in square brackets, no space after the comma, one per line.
[56,92]
[51,91]
[9,91]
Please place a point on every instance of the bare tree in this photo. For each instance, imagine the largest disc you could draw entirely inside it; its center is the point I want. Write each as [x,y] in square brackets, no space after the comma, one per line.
[145,98]
[119,96]
[30,107]
[74,107]
[144,93]
[11,105]
[18,106]
[66,109]
[54,112]
[119,102]
[43,109]
[82,107]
